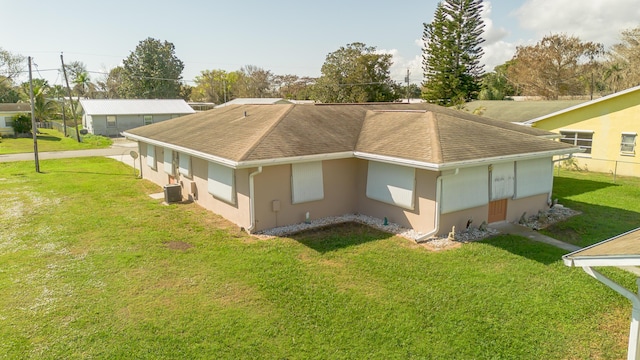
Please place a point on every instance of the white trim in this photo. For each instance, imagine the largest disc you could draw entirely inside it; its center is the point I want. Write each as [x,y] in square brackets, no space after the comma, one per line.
[629,133]
[577,131]
[588,103]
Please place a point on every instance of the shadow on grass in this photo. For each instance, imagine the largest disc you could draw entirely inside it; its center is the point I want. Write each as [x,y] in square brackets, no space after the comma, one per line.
[569,186]
[48,138]
[339,236]
[526,248]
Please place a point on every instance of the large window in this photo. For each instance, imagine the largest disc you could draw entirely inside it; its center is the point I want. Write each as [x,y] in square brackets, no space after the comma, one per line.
[221,183]
[306,182]
[185,164]
[391,184]
[151,156]
[583,139]
[628,144]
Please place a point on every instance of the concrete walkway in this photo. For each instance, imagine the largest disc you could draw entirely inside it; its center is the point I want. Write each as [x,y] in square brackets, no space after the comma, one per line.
[515,229]
[120,150]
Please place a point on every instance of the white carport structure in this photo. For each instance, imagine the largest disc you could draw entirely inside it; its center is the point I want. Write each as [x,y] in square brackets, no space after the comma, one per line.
[622,251]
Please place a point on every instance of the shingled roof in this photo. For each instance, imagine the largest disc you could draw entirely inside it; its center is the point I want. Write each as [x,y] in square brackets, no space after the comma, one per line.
[250,134]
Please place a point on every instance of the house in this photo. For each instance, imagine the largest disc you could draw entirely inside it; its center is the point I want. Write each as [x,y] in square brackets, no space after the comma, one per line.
[518,111]
[255,101]
[110,117]
[606,128]
[7,112]
[419,165]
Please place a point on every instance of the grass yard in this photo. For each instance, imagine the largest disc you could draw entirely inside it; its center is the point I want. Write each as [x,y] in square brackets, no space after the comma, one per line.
[52,140]
[608,208]
[91,267]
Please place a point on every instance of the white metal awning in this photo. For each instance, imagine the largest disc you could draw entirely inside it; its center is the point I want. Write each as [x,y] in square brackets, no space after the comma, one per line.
[620,251]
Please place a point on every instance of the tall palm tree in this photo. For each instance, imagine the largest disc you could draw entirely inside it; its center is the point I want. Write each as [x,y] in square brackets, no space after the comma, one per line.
[43,108]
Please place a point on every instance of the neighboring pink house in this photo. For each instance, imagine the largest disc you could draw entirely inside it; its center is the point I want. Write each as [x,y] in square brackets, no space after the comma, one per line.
[419,165]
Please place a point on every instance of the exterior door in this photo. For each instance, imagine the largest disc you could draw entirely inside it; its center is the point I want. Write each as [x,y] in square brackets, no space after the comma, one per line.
[497,211]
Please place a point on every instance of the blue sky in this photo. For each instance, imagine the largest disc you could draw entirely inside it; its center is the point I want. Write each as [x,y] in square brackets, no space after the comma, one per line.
[286,37]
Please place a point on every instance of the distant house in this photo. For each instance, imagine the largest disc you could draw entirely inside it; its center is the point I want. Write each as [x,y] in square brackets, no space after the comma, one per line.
[7,112]
[518,111]
[255,101]
[606,129]
[419,165]
[110,117]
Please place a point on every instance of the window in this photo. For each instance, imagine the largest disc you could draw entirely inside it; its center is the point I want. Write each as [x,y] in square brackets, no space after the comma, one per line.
[148,119]
[628,143]
[391,184]
[168,162]
[8,121]
[306,182]
[185,164]
[583,139]
[111,121]
[465,190]
[151,156]
[221,183]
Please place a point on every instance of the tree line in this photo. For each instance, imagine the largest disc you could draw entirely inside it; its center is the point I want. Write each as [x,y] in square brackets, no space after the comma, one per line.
[558,65]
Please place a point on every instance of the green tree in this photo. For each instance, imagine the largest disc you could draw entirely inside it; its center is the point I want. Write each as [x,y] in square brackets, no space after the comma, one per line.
[293,87]
[495,85]
[11,65]
[110,85]
[215,86]
[21,123]
[254,82]
[354,74]
[152,71]
[557,65]
[624,61]
[8,93]
[452,52]
[44,108]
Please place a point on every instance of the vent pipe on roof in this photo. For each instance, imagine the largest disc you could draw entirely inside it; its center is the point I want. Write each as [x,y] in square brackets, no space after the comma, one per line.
[245,114]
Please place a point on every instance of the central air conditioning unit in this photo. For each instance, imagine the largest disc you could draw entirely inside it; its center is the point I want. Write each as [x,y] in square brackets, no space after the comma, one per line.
[172,193]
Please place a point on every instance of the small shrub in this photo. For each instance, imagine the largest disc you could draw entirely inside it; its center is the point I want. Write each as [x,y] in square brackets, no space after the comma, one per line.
[21,124]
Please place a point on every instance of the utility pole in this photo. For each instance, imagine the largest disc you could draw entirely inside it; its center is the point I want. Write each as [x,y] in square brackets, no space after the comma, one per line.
[73,108]
[33,120]
[406,79]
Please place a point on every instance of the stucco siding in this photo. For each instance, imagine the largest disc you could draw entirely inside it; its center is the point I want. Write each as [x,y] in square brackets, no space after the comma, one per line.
[274,185]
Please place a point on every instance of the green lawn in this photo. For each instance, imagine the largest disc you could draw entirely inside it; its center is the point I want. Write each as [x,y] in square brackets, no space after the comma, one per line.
[52,140]
[608,208]
[91,267]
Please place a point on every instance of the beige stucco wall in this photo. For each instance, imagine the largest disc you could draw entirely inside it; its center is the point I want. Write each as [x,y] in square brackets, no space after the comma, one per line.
[237,213]
[421,218]
[274,184]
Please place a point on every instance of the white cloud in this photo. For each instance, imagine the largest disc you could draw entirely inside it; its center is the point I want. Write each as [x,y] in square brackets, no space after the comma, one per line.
[590,20]
[400,65]
[492,34]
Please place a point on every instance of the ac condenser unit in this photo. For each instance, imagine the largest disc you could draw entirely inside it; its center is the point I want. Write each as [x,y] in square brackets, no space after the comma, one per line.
[172,193]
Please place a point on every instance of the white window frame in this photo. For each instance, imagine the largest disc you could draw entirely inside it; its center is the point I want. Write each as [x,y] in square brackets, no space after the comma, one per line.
[151,157]
[221,183]
[112,124]
[578,138]
[184,164]
[391,184]
[307,183]
[630,144]
[168,162]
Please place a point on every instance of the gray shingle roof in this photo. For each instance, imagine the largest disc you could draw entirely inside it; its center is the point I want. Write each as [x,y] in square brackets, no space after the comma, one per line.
[135,106]
[421,132]
[15,107]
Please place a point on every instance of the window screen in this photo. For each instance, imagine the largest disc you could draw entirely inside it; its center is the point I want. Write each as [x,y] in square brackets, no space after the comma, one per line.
[185,164]
[534,177]
[466,190]
[391,184]
[306,182]
[151,156]
[221,183]
[168,162]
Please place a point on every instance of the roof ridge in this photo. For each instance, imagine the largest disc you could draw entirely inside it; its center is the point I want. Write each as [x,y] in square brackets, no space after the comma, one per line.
[434,128]
[268,132]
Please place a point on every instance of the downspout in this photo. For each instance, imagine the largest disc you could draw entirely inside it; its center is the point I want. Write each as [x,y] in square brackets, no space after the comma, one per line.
[436,219]
[252,209]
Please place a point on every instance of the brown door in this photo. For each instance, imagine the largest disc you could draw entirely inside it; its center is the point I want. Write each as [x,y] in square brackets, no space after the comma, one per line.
[497,210]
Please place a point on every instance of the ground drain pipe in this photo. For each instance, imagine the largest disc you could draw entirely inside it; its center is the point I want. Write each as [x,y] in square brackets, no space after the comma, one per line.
[436,219]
